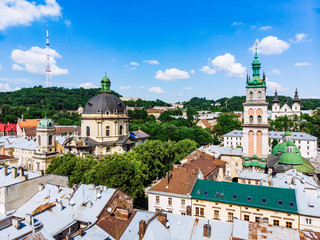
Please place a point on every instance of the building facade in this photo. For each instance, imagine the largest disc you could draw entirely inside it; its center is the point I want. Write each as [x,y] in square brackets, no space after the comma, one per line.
[285,110]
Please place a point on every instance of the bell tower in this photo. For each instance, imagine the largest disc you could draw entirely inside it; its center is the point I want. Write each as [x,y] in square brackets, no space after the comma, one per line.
[255,125]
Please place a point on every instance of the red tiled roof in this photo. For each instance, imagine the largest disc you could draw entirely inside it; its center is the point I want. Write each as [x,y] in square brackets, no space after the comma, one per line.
[29,123]
[31,131]
[206,123]
[12,127]
[2,127]
[66,129]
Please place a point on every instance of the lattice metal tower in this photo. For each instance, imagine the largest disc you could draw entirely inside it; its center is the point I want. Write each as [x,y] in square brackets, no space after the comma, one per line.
[48,66]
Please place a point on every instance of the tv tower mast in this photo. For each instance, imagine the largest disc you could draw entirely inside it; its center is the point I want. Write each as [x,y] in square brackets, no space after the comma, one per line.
[48,67]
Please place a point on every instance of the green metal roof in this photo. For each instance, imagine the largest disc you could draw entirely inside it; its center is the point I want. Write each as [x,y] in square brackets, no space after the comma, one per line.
[105,84]
[306,167]
[290,143]
[282,147]
[290,158]
[246,159]
[246,195]
[254,156]
[254,163]
[287,133]
[263,159]
[263,165]
[46,123]
[246,164]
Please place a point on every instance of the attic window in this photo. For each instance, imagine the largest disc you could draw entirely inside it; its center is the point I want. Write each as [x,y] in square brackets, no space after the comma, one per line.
[206,192]
[249,198]
[89,104]
[222,194]
[198,192]
[217,194]
[280,202]
[264,200]
[234,196]
[291,204]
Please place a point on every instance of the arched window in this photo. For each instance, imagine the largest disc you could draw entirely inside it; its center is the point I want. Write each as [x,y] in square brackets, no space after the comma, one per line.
[39,140]
[259,94]
[107,131]
[251,95]
[88,131]
[108,149]
[259,119]
[251,119]
[121,130]
[50,140]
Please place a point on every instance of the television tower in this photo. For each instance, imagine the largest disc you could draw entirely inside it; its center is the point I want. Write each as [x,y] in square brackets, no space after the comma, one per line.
[48,67]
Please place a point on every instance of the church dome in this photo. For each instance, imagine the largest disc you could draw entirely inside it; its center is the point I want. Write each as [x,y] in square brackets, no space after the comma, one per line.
[282,147]
[46,123]
[105,102]
[290,158]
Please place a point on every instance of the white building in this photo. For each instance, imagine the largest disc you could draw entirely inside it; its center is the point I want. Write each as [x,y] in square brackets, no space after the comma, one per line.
[285,110]
[306,143]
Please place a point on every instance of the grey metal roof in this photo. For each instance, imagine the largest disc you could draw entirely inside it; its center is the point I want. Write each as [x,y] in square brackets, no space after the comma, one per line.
[24,143]
[8,180]
[179,227]
[94,233]
[217,151]
[277,135]
[104,102]
[307,204]
[253,175]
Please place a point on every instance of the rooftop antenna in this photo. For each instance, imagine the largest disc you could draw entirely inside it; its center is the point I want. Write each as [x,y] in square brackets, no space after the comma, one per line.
[48,67]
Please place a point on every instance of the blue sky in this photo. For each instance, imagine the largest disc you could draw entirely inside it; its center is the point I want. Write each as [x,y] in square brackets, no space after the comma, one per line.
[171,50]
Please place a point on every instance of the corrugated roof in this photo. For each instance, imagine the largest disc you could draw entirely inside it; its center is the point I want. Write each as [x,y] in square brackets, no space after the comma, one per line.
[8,180]
[246,195]
[94,233]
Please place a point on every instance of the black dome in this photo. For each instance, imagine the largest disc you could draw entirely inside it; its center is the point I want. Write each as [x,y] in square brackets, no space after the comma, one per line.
[104,102]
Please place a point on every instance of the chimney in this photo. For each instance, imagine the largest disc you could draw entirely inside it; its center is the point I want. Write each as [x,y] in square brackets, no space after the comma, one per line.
[207,230]
[5,170]
[21,173]
[95,192]
[142,228]
[29,219]
[90,204]
[188,208]
[59,204]
[41,187]
[81,232]
[14,172]
[58,188]
[162,218]
[16,223]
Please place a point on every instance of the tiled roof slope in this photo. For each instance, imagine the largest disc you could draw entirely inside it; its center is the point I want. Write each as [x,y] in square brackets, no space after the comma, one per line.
[28,123]
[237,193]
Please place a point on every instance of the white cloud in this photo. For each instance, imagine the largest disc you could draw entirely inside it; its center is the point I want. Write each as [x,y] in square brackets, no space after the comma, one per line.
[271,45]
[87,85]
[4,87]
[23,12]
[16,80]
[142,87]
[265,28]
[134,63]
[276,71]
[275,86]
[17,67]
[67,22]
[34,61]
[207,70]
[302,64]
[188,88]
[151,61]
[171,74]
[192,71]
[228,64]
[123,88]
[156,90]
[300,37]
[236,23]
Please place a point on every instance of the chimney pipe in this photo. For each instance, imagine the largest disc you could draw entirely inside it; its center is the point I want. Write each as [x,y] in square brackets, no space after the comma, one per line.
[41,187]
[29,219]
[162,218]
[207,230]
[5,170]
[16,223]
[21,173]
[81,232]
[59,204]
[14,172]
[95,192]
[142,228]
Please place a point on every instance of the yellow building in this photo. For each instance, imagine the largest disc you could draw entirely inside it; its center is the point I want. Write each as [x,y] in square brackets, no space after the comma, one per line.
[225,201]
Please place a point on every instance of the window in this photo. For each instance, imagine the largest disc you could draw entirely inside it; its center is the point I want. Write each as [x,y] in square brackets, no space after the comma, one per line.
[197,211]
[183,213]
[246,217]
[259,94]
[121,130]
[257,219]
[198,192]
[217,194]
[183,203]
[169,211]
[291,204]
[276,222]
[280,202]
[170,201]
[107,131]
[201,212]
[289,224]
[206,192]
[251,95]
[230,216]
[50,139]
[249,198]
[259,119]
[222,194]
[88,131]
[108,149]
[308,221]
[251,118]
[158,210]
[157,199]
[264,200]
[234,196]
[216,214]
[39,140]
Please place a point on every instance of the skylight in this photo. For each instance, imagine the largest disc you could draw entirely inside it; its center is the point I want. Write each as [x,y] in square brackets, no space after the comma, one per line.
[264,200]
[249,198]
[291,204]
[280,202]
[234,196]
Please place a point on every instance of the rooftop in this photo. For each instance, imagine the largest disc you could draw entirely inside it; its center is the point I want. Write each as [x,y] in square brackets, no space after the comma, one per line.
[9,180]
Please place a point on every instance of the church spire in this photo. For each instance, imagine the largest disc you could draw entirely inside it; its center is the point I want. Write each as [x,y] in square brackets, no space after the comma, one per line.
[256,65]
[275,98]
[296,97]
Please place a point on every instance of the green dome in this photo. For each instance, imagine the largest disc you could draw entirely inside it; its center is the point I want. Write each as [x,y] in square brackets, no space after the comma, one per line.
[254,156]
[255,163]
[246,164]
[105,79]
[46,123]
[282,147]
[290,158]
[246,159]
[263,159]
[287,133]
[263,165]
[105,84]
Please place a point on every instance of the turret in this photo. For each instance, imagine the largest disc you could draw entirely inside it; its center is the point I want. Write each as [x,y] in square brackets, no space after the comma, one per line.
[296,103]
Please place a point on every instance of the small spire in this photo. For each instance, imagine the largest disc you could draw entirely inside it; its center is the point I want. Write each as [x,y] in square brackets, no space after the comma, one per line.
[296,97]
[247,77]
[256,49]
[275,98]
